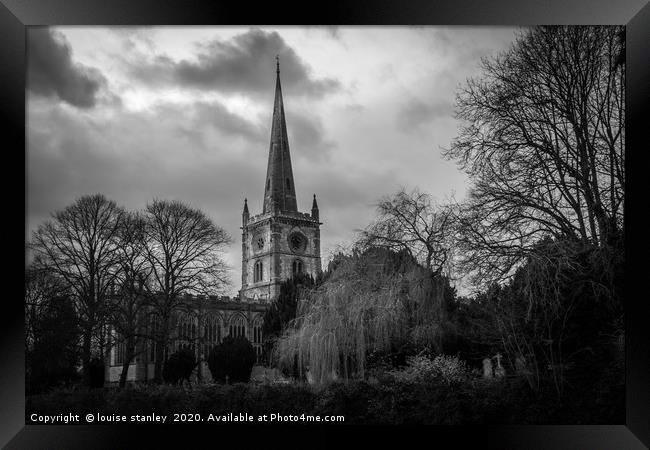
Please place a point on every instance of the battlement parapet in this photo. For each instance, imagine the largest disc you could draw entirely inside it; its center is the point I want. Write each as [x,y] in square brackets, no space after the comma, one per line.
[282,215]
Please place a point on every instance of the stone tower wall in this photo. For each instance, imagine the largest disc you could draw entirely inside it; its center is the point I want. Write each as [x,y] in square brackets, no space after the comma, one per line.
[276,255]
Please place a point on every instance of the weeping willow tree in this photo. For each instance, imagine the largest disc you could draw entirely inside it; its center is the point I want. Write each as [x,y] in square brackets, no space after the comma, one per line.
[370,302]
[429,306]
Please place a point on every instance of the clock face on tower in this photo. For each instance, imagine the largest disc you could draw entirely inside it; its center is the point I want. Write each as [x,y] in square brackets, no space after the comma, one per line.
[258,243]
[297,242]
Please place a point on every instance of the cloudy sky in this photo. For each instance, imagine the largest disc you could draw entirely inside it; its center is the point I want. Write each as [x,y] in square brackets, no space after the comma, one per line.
[185,113]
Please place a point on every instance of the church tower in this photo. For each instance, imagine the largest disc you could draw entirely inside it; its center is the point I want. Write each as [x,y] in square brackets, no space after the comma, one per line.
[281,241]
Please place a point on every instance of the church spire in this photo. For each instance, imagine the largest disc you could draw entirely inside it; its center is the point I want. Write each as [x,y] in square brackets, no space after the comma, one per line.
[279,190]
[314,209]
[245,214]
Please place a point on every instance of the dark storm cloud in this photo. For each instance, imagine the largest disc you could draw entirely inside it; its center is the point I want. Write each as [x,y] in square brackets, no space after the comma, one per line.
[306,131]
[52,72]
[215,115]
[60,148]
[417,113]
[241,64]
[145,158]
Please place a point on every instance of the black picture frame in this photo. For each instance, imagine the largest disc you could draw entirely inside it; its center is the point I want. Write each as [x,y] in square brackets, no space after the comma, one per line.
[16,15]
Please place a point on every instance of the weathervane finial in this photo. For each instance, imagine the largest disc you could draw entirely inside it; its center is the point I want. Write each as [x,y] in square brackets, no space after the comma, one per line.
[277,63]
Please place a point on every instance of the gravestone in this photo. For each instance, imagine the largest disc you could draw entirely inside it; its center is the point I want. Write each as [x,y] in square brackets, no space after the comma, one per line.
[520,364]
[499,371]
[487,368]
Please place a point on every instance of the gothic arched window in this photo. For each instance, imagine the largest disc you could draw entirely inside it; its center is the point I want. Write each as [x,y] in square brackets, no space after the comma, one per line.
[154,327]
[258,274]
[186,332]
[212,333]
[257,337]
[237,326]
[257,332]
[120,348]
[288,185]
[297,267]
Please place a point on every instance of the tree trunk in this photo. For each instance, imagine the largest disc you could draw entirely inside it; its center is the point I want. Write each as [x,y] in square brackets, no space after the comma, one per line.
[129,352]
[125,371]
[85,355]
[158,366]
[161,343]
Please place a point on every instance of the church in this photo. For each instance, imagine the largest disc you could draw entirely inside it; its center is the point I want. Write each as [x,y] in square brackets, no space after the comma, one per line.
[276,244]
[280,241]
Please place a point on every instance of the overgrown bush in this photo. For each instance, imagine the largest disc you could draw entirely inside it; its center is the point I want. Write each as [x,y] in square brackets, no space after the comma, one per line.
[443,368]
[233,358]
[179,366]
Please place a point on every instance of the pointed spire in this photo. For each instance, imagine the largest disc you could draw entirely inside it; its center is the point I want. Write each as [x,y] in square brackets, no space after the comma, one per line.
[279,189]
[314,209]
[245,214]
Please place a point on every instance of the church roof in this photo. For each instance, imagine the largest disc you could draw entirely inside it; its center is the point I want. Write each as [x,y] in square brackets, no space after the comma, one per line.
[279,189]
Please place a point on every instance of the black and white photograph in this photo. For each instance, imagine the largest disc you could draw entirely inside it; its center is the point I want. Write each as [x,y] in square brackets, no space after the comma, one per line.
[313,224]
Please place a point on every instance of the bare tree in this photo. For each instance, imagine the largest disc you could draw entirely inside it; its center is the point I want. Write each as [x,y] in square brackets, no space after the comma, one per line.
[200,341]
[184,249]
[411,221]
[129,310]
[543,140]
[78,245]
